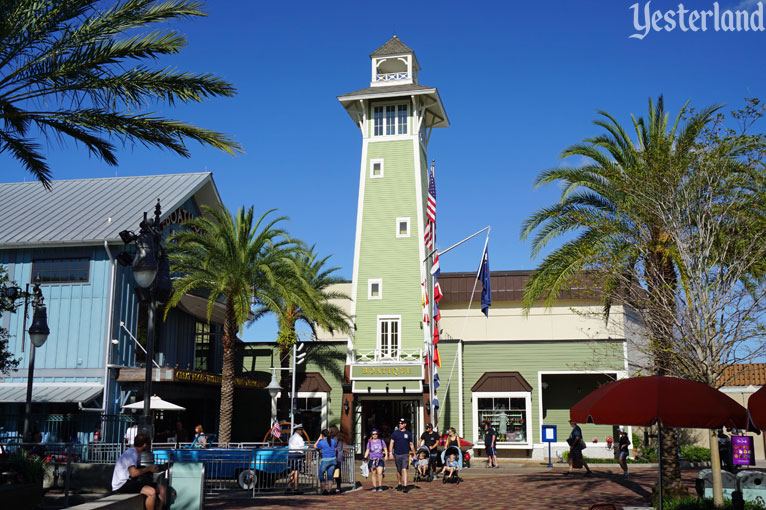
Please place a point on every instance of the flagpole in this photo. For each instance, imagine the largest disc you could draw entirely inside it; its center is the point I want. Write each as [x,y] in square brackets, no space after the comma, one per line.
[430,255]
[432,322]
[465,320]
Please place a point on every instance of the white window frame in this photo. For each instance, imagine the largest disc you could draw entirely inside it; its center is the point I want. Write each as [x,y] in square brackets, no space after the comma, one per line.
[372,165]
[379,347]
[526,395]
[306,394]
[385,126]
[370,283]
[399,220]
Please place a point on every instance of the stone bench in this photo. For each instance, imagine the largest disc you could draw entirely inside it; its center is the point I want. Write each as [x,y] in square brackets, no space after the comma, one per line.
[114,502]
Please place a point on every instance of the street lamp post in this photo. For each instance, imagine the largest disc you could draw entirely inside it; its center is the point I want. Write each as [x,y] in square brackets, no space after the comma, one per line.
[274,387]
[38,334]
[151,271]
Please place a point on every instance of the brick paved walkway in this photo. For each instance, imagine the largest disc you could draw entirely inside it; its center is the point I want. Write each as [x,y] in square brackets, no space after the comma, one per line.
[502,489]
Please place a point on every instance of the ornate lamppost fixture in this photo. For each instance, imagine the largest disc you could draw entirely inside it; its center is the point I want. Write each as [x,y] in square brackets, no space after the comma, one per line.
[151,271]
[38,334]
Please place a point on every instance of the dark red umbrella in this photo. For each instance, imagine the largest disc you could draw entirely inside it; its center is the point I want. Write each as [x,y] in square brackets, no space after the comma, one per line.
[665,401]
[756,404]
[669,401]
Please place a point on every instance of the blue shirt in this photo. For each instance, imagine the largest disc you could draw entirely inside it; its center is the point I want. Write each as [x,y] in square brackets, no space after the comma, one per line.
[488,436]
[327,448]
[402,440]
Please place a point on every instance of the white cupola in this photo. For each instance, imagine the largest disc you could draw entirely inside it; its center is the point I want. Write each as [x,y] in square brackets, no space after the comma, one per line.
[394,64]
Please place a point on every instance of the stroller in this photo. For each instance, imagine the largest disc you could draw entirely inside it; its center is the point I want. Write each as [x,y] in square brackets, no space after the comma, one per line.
[455,477]
[428,476]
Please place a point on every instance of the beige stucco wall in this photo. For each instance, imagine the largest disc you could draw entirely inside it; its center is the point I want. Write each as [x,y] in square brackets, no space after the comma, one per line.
[565,321]
[344,304]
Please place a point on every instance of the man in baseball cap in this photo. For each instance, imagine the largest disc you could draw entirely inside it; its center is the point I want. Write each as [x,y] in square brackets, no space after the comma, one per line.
[400,448]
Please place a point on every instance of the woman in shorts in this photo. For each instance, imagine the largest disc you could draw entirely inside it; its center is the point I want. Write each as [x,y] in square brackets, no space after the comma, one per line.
[376,452]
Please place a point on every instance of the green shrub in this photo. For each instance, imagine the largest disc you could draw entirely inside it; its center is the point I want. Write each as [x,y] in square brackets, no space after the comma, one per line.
[695,453]
[692,503]
[31,469]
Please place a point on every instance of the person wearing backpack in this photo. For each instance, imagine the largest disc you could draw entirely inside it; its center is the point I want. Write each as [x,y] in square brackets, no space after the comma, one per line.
[336,434]
[326,446]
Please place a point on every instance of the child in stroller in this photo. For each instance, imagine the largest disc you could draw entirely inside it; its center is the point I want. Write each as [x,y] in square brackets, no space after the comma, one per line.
[450,470]
[423,465]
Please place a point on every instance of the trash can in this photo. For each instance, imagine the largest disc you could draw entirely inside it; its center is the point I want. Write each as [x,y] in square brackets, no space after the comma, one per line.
[752,484]
[704,484]
[187,479]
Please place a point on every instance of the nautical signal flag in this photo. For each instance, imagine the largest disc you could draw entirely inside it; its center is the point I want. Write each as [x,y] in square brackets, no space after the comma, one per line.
[435,270]
[437,313]
[437,359]
[486,291]
[436,336]
[436,380]
[437,292]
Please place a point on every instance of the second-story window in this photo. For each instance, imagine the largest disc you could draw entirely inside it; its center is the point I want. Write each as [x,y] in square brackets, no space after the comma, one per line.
[203,347]
[69,270]
[388,335]
[390,120]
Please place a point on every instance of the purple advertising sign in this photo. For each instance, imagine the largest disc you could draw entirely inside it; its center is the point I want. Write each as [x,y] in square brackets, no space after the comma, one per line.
[742,451]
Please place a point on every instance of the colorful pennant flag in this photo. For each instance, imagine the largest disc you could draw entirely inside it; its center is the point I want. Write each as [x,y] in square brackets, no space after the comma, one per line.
[436,380]
[435,270]
[437,359]
[276,430]
[437,292]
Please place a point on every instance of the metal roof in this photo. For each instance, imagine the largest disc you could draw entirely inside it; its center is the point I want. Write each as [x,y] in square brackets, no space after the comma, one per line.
[50,392]
[89,211]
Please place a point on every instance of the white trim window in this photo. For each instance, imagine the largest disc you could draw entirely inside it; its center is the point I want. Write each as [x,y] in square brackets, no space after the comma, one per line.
[389,335]
[403,227]
[311,410]
[375,288]
[376,168]
[390,120]
[508,412]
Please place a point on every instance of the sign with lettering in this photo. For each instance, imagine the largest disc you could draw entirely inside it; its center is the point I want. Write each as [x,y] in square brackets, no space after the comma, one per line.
[206,378]
[388,371]
[742,453]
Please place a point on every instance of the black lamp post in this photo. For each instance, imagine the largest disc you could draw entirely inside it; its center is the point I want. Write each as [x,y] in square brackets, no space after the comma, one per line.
[151,271]
[38,334]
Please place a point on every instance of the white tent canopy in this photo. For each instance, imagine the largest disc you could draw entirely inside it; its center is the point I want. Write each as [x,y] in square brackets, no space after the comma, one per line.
[156,404]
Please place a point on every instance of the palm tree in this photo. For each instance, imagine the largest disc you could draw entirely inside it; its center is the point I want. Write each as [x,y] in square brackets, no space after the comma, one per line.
[603,204]
[306,298]
[73,71]
[234,258]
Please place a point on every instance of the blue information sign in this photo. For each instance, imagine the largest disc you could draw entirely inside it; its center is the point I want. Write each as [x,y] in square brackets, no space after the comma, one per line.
[549,433]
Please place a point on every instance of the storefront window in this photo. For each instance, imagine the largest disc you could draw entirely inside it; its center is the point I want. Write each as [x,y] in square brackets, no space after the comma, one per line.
[203,347]
[508,417]
[308,412]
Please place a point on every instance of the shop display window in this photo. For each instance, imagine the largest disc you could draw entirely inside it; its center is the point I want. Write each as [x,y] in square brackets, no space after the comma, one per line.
[508,416]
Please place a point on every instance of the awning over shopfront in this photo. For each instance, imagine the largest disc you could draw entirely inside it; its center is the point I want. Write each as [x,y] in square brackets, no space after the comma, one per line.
[50,392]
[387,387]
[501,381]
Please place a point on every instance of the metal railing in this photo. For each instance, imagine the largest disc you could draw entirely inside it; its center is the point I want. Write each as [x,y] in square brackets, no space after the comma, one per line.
[395,356]
[61,428]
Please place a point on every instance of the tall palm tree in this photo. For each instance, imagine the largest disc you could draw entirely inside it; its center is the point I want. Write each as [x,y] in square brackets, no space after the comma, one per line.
[234,258]
[73,70]
[603,204]
[308,299]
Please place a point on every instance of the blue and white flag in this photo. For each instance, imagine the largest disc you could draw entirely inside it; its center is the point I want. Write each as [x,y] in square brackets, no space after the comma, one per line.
[486,291]
[436,380]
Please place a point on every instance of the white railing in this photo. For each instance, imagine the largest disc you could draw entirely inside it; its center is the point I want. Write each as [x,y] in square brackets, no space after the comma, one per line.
[397,356]
[392,76]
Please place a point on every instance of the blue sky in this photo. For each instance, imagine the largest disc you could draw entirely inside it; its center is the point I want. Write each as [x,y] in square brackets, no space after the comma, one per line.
[519,81]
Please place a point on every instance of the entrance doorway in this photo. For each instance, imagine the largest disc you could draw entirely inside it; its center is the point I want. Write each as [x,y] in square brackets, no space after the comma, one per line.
[384,414]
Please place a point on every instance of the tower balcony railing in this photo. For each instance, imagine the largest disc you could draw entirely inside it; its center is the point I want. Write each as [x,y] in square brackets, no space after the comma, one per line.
[392,76]
[389,356]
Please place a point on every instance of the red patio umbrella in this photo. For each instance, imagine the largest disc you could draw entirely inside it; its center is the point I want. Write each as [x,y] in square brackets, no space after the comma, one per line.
[669,401]
[666,401]
[756,404]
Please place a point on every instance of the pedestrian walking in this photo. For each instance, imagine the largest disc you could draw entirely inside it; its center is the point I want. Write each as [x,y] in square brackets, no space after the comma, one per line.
[336,433]
[376,452]
[576,446]
[624,445]
[326,447]
[490,444]
[430,439]
[400,448]
[296,446]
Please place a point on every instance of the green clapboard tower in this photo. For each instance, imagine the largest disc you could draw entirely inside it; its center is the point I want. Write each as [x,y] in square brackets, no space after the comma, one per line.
[395,115]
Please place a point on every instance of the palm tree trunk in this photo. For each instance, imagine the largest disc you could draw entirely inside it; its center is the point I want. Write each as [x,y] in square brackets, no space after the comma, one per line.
[227,376]
[283,412]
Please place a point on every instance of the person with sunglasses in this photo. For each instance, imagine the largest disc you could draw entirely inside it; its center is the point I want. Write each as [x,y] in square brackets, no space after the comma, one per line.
[376,452]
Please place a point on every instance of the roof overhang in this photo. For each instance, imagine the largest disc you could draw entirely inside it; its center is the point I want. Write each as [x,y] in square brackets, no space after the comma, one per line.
[197,306]
[436,115]
[59,392]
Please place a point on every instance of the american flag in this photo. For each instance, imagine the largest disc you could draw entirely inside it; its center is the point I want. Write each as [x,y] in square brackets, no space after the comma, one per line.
[276,430]
[430,230]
